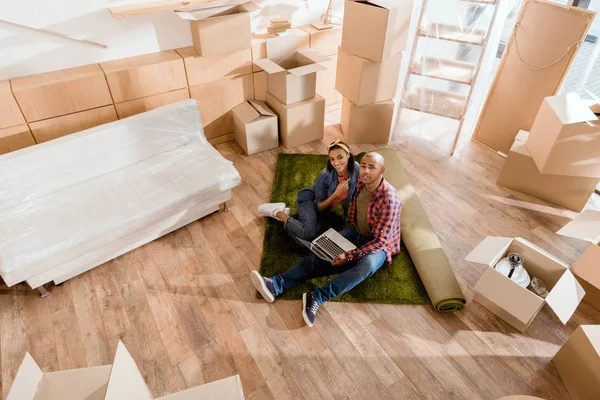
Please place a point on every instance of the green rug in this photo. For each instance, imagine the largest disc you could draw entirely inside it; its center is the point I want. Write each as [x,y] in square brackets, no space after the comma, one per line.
[397,283]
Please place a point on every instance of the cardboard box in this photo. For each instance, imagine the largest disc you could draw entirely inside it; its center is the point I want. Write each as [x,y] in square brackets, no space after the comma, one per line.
[260,85]
[517,305]
[325,41]
[587,271]
[221,29]
[146,75]
[10,115]
[138,106]
[201,70]
[292,75]
[53,128]
[326,82]
[217,99]
[363,81]
[565,137]
[259,43]
[15,138]
[376,29]
[367,124]
[121,380]
[520,173]
[300,122]
[578,363]
[63,92]
[255,127]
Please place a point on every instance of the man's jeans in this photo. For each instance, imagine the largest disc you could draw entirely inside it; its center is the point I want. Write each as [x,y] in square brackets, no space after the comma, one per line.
[350,274]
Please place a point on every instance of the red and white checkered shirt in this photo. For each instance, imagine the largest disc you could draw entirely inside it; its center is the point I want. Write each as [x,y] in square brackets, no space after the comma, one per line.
[383,216]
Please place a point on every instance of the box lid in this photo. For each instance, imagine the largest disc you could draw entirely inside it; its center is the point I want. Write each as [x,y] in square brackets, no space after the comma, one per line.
[248,111]
[570,108]
[262,108]
[586,226]
[587,267]
[27,380]
[126,381]
[269,66]
[490,250]
[565,296]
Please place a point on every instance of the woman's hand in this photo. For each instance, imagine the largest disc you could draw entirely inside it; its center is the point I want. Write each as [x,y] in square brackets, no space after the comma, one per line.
[341,188]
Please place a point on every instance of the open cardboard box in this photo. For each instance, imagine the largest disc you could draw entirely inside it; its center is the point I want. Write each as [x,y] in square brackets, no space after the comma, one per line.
[292,75]
[565,137]
[120,381]
[587,267]
[517,305]
[255,127]
[220,29]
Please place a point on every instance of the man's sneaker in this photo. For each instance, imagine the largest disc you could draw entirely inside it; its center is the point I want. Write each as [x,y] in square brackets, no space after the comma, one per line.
[271,210]
[264,286]
[309,308]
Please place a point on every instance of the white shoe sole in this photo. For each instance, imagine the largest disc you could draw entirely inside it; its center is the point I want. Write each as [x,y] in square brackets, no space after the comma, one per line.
[262,288]
[304,311]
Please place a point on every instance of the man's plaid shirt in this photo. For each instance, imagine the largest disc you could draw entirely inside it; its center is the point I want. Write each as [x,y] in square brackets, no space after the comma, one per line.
[383,216]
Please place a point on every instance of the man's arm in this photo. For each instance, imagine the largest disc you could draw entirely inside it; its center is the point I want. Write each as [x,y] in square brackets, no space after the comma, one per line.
[383,231]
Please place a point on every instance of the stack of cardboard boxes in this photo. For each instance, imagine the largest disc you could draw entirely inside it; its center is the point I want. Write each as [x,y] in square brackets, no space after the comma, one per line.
[291,85]
[558,160]
[14,132]
[373,38]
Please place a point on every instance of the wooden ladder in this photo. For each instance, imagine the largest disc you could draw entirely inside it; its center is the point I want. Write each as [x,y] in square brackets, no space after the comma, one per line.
[441,103]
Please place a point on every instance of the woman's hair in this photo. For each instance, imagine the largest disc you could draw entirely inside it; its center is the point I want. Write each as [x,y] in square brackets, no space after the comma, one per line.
[338,144]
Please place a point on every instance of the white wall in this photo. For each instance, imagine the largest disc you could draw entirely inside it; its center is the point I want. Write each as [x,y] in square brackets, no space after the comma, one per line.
[25,52]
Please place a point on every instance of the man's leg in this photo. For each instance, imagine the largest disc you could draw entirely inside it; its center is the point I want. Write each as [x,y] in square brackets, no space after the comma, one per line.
[309,267]
[355,272]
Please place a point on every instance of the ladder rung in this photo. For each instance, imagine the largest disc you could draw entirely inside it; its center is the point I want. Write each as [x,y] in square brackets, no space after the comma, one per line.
[448,70]
[453,33]
[444,104]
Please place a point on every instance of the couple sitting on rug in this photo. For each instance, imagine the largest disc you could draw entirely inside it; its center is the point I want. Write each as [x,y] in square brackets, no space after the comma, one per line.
[373,209]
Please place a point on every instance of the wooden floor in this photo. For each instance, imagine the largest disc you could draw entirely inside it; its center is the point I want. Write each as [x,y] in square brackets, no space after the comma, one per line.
[185,308]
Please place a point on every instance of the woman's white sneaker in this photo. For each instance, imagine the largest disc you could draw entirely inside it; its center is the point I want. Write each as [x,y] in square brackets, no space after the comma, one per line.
[271,210]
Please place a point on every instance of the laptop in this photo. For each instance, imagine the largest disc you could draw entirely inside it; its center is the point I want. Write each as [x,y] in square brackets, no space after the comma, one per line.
[329,245]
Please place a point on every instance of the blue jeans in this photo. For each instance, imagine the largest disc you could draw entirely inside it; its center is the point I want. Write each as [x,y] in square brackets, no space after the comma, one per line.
[310,221]
[350,274]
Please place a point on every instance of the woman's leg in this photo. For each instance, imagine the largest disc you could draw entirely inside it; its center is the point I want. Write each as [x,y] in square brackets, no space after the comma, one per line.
[306,226]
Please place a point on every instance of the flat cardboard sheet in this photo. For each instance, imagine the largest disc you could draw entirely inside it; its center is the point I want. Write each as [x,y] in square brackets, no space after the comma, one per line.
[126,381]
[586,226]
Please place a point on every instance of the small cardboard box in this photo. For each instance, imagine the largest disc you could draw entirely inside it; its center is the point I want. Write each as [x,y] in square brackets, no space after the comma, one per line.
[54,128]
[201,70]
[255,127]
[363,81]
[146,75]
[517,305]
[15,138]
[300,122]
[520,173]
[325,41]
[565,137]
[10,115]
[578,363]
[121,380]
[221,29]
[376,29]
[292,75]
[371,123]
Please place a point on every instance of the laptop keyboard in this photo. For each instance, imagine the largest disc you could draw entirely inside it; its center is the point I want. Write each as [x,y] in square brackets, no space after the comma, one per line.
[329,246]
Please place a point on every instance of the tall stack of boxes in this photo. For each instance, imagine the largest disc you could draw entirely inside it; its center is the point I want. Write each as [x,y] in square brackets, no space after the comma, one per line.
[558,160]
[291,85]
[373,39]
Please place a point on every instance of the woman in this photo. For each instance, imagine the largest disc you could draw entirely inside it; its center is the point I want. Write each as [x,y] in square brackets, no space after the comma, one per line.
[335,184]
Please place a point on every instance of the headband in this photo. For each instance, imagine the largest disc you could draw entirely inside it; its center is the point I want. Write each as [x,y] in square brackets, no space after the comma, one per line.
[339,143]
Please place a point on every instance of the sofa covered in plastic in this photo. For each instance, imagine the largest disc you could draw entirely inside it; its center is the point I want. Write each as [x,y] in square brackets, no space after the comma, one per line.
[73,203]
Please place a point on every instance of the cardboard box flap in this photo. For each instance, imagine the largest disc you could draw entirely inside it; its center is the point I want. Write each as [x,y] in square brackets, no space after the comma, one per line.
[593,334]
[269,66]
[307,69]
[281,45]
[522,136]
[571,109]
[586,226]
[27,380]
[126,381]
[490,250]
[506,294]
[246,112]
[262,108]
[249,6]
[389,4]
[587,267]
[75,384]
[223,389]
[314,55]
[565,296]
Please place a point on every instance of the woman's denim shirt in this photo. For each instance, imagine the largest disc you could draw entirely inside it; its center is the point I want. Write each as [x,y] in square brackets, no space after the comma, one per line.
[326,183]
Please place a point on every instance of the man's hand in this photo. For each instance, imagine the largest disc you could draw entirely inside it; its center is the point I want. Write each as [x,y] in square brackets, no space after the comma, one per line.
[339,260]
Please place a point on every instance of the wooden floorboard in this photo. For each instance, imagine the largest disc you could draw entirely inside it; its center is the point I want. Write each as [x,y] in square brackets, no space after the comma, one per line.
[186,310]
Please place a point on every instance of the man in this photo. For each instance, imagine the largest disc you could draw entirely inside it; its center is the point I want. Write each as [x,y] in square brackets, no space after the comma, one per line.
[374,220]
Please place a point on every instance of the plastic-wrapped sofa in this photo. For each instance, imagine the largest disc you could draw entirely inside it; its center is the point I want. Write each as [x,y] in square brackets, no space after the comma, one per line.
[71,204]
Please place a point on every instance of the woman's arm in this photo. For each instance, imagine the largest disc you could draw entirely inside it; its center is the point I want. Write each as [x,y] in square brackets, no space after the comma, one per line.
[341,188]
